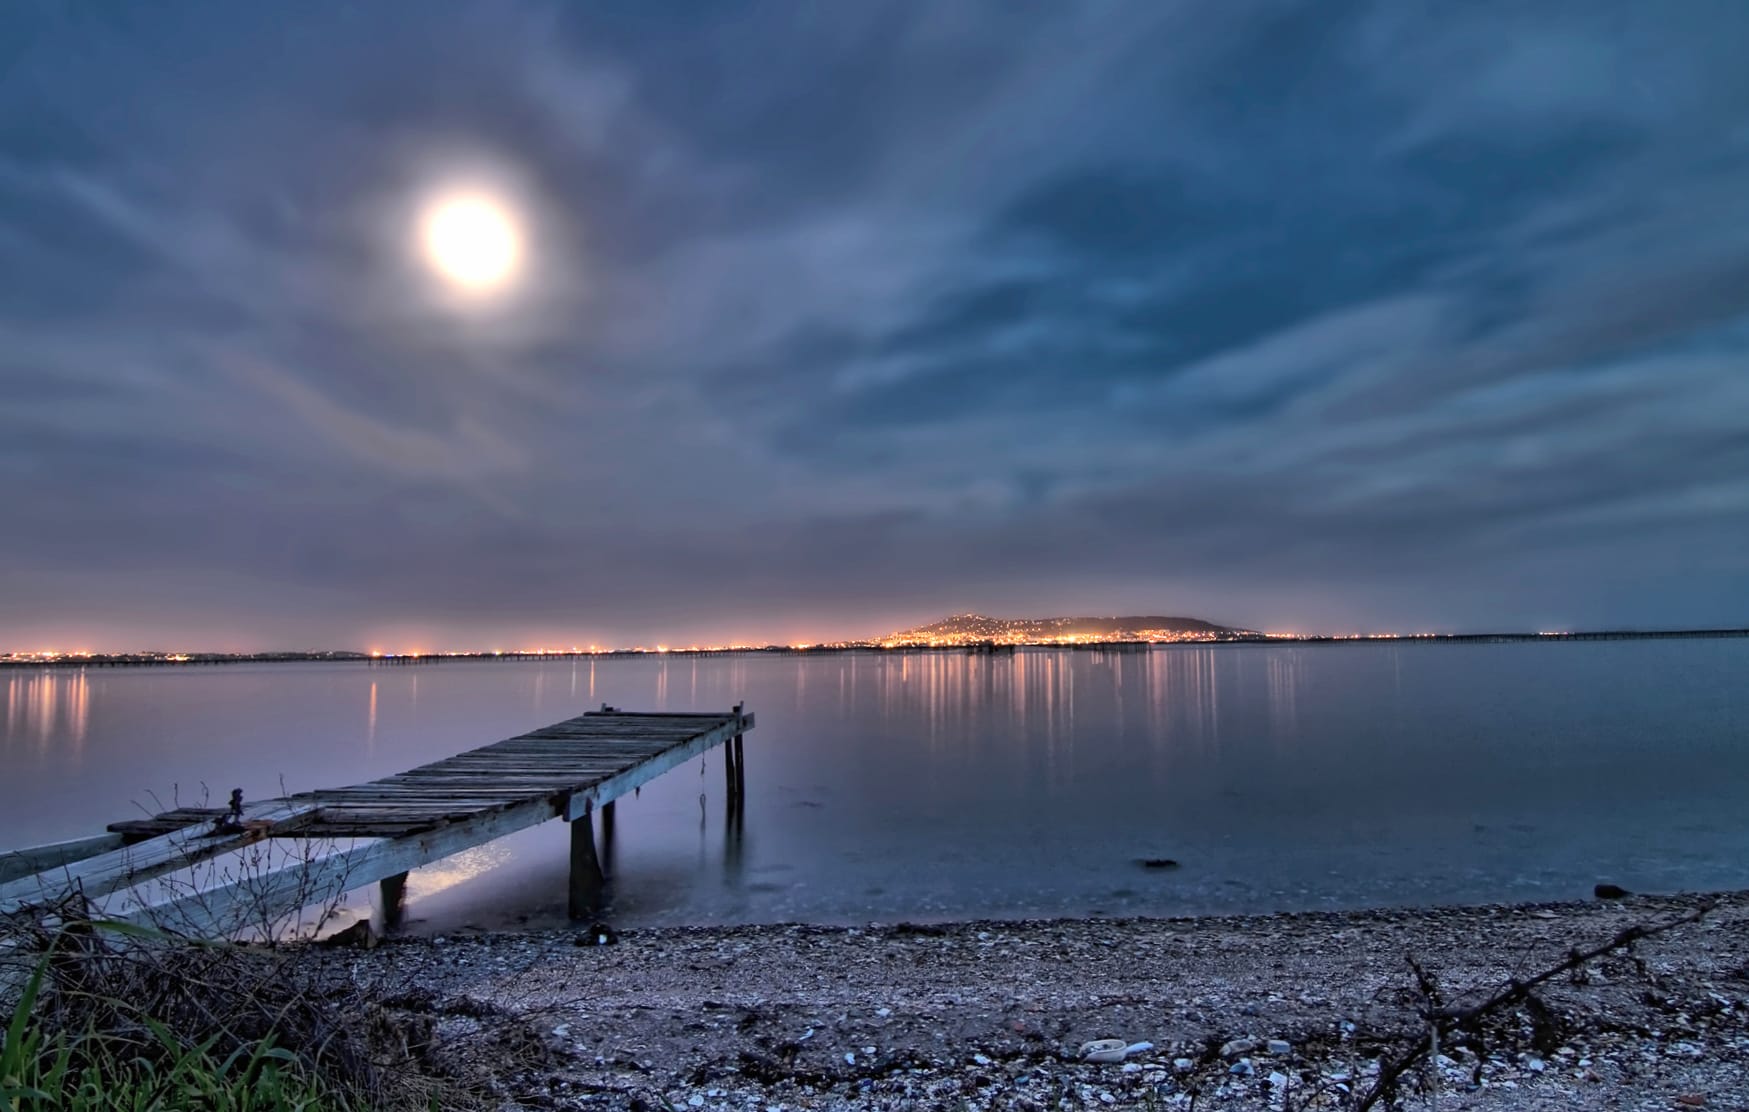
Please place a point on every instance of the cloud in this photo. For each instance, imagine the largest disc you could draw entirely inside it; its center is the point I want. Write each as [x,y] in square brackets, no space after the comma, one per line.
[1266,309]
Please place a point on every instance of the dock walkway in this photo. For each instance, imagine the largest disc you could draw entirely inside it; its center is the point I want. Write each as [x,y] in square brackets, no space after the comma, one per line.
[377,831]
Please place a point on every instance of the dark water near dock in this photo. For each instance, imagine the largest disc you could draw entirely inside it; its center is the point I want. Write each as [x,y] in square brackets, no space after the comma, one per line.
[886,787]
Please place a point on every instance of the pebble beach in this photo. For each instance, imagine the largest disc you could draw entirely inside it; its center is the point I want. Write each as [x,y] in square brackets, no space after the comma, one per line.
[1294,1011]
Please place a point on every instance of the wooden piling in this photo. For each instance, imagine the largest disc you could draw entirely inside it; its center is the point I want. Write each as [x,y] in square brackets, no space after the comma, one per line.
[586,878]
[732,753]
[607,837]
[740,771]
[394,895]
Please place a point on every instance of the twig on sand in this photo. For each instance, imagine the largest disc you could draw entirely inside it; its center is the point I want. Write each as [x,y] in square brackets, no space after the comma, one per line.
[1443,1019]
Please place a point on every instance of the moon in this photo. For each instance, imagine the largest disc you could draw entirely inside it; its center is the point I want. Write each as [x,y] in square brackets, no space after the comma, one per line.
[472,241]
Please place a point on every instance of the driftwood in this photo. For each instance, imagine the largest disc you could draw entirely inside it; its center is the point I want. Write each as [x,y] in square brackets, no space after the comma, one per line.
[1442,1020]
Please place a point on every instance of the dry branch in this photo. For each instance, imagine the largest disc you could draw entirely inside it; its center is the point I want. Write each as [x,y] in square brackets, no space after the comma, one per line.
[1441,1020]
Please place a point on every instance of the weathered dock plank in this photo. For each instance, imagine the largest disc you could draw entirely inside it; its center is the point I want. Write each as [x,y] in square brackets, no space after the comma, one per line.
[128,865]
[54,855]
[320,880]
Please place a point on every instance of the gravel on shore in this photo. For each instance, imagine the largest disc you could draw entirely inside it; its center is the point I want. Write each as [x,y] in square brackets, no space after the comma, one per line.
[1293,1011]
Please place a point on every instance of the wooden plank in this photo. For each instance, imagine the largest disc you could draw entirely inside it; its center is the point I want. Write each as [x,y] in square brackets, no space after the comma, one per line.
[566,744]
[558,747]
[638,775]
[622,715]
[460,779]
[473,795]
[217,913]
[164,822]
[35,859]
[600,745]
[119,868]
[623,724]
[576,770]
[581,765]
[492,777]
[574,743]
[554,746]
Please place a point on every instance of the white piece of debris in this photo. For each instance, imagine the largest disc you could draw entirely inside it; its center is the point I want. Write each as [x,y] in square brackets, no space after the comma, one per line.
[1112,1050]
[1104,1050]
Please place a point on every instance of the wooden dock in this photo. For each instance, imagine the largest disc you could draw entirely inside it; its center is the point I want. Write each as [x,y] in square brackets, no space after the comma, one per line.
[346,838]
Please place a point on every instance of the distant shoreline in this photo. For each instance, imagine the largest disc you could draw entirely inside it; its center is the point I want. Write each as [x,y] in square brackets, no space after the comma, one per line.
[154,659]
[124,660]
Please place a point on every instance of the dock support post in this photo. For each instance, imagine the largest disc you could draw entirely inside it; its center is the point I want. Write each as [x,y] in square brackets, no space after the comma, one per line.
[734,746]
[740,773]
[586,878]
[394,894]
[729,775]
[607,837]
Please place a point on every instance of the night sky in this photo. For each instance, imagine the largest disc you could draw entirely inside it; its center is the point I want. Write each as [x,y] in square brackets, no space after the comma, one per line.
[833,318]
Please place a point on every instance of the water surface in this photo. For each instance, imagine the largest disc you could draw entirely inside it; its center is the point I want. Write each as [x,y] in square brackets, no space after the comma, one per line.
[885,787]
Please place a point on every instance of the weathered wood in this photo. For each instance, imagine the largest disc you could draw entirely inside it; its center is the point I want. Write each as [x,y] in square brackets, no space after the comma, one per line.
[729,774]
[393,890]
[401,822]
[638,775]
[140,829]
[431,812]
[35,859]
[216,913]
[607,836]
[705,714]
[98,876]
[587,880]
[740,771]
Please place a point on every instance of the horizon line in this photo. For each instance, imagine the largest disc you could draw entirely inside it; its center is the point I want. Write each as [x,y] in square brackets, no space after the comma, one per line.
[1225,636]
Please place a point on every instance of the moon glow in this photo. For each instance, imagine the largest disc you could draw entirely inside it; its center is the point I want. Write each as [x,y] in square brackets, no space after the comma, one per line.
[472,241]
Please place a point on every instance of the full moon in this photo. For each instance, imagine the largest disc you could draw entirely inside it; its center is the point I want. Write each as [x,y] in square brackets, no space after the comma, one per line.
[472,241]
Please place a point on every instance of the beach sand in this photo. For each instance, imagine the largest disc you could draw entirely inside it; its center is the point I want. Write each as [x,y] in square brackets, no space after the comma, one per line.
[1287,1011]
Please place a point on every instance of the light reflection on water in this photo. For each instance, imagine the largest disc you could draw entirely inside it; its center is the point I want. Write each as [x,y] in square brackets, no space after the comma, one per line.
[944,785]
[43,706]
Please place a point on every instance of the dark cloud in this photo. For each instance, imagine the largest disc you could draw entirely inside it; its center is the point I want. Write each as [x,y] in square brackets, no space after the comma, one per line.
[1358,314]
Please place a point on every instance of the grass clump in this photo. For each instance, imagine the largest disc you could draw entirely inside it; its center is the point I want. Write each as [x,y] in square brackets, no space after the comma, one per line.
[102,1016]
[93,1073]
[45,1069]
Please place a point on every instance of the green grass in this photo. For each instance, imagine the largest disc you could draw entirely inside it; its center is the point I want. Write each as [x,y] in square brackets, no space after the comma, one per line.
[56,1071]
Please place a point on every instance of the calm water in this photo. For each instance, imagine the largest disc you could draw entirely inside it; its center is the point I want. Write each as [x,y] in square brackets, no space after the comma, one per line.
[892,787]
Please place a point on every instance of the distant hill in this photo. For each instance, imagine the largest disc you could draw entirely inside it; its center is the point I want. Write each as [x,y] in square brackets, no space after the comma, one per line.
[964,628]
